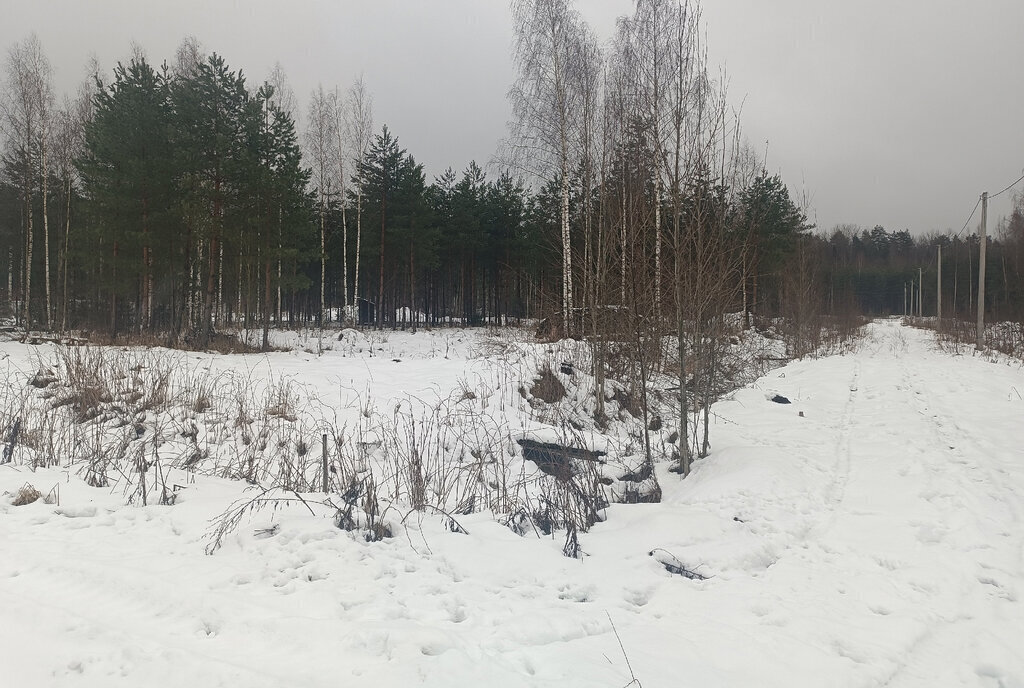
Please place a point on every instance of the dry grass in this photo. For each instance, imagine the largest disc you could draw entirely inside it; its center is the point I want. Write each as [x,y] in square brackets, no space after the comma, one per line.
[547,387]
[26,494]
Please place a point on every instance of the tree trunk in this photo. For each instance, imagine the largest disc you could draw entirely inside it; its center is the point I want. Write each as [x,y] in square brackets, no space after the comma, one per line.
[10,278]
[64,260]
[657,248]
[567,319]
[46,237]
[206,317]
[380,283]
[323,264]
[220,285]
[266,305]
[113,295]
[412,286]
[344,259]
[359,238]
[27,294]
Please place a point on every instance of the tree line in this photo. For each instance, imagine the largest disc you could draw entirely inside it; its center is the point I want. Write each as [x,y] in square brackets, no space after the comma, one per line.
[176,199]
[882,273]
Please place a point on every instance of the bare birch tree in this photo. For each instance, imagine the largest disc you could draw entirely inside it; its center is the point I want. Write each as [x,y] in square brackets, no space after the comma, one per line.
[651,25]
[321,148]
[341,148]
[550,52]
[358,122]
[69,138]
[27,110]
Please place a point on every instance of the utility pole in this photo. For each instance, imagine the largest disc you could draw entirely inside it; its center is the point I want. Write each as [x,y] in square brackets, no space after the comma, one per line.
[920,293]
[904,299]
[980,343]
[938,294]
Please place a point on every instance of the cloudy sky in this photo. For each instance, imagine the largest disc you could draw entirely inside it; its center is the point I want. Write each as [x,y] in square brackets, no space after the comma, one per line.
[891,112]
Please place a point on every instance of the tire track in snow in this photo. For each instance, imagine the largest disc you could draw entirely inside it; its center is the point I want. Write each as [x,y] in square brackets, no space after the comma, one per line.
[973,481]
[844,450]
[940,419]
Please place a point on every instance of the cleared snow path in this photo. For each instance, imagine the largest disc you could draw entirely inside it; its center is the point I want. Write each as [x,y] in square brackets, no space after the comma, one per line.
[876,540]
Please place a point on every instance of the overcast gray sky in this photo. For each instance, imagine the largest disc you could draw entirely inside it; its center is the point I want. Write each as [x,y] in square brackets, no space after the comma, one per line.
[895,112]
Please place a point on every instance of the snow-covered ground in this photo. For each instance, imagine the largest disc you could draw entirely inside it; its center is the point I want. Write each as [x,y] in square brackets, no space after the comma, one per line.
[868,534]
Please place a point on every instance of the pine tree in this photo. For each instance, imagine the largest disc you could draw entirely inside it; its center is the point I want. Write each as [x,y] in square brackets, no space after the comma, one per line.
[208,115]
[773,223]
[272,195]
[378,179]
[128,183]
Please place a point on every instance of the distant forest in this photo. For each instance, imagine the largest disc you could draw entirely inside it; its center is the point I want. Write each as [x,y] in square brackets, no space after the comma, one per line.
[178,198]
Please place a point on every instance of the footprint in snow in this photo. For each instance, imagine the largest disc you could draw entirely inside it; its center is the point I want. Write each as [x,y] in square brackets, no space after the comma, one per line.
[577,594]
[638,597]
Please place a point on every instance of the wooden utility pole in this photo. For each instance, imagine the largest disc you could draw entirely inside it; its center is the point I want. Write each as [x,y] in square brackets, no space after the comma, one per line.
[904,299]
[980,343]
[938,294]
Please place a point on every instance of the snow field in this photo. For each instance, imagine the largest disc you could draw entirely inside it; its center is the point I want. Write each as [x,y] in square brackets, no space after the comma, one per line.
[873,541]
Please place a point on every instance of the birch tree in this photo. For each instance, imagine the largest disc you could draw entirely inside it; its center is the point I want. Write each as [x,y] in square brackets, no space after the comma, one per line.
[69,139]
[546,101]
[45,157]
[26,116]
[341,154]
[358,123]
[321,142]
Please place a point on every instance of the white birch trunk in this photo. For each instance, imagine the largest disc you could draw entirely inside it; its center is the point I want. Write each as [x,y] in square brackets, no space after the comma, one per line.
[657,249]
[344,222]
[622,243]
[567,319]
[10,278]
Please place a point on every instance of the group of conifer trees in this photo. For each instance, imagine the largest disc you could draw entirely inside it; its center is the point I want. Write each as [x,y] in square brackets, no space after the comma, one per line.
[179,200]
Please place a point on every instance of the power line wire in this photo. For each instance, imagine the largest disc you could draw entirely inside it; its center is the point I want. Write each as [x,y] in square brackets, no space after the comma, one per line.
[1008,188]
[990,197]
[972,215]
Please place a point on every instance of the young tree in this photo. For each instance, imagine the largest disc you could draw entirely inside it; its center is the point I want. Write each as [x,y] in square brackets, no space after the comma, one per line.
[277,188]
[341,166]
[69,141]
[773,222]
[358,122]
[379,178]
[283,99]
[551,53]
[27,111]
[321,145]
